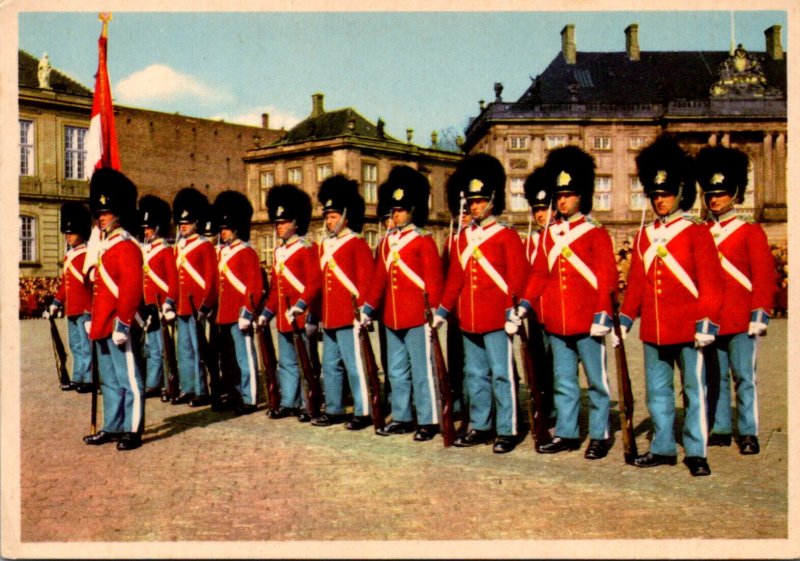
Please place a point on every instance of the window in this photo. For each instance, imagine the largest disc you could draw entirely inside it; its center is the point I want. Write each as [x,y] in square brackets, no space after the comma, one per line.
[266,181]
[602,193]
[518,202]
[295,176]
[602,143]
[74,152]
[371,237]
[749,191]
[555,141]
[26,162]
[324,171]
[517,142]
[27,237]
[638,198]
[267,250]
[369,181]
[637,142]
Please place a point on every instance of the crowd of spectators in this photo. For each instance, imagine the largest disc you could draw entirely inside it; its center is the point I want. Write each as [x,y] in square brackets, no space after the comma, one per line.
[782,268]
[35,294]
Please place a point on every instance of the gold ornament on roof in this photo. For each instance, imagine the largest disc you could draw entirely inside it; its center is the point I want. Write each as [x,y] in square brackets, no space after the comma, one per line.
[563,179]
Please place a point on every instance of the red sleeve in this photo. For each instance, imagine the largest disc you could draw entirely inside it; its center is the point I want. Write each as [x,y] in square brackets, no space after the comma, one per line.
[130,281]
[172,274]
[61,294]
[313,283]
[431,273]
[762,270]
[455,278]
[517,263]
[709,274]
[634,290]
[210,275]
[607,275]
[254,282]
[377,285]
[272,299]
[364,268]
[539,274]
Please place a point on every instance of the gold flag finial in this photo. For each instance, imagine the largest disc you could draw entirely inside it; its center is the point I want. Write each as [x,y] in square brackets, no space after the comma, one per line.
[105,17]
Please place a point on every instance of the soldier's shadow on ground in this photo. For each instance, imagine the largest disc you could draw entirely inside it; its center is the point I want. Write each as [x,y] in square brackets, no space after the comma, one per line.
[195,419]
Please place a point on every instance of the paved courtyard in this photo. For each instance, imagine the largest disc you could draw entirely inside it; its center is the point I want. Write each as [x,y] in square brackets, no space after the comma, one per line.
[253,487]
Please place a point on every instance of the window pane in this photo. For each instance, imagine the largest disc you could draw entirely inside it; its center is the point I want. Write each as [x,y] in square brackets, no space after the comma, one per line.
[295,176]
[369,182]
[638,201]
[602,201]
[265,183]
[602,184]
[323,172]
[602,143]
[75,152]
[26,147]
[555,141]
[27,238]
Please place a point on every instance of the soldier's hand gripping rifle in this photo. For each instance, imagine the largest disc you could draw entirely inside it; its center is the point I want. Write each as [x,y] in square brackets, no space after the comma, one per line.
[170,360]
[371,371]
[313,386]
[209,355]
[625,391]
[445,394]
[60,354]
[268,357]
[536,418]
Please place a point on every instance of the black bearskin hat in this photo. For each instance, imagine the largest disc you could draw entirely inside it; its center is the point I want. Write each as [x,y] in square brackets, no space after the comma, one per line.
[409,190]
[111,191]
[155,213]
[570,169]
[338,193]
[479,176]
[76,219]
[233,210]
[384,208]
[537,189]
[722,170]
[664,167]
[190,205]
[289,202]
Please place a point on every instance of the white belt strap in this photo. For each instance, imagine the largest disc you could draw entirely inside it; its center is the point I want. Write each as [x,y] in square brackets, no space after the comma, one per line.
[561,247]
[282,255]
[226,256]
[720,234]
[149,256]
[108,281]
[658,248]
[184,263]
[473,251]
[394,258]
[70,266]
[329,247]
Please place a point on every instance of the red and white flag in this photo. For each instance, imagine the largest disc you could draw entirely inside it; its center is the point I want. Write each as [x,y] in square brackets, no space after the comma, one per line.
[101,140]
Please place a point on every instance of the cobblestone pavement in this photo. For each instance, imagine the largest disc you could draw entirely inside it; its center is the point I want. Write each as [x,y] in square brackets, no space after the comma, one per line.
[214,477]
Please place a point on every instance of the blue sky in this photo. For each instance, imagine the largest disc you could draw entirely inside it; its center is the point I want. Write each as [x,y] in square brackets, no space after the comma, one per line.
[425,71]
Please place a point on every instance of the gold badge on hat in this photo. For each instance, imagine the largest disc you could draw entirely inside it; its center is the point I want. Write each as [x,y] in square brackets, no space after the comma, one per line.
[102,199]
[398,194]
[185,213]
[279,212]
[661,177]
[475,186]
[146,214]
[563,179]
[329,202]
[717,178]
[541,195]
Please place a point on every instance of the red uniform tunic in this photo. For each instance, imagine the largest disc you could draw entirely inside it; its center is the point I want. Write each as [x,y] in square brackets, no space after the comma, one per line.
[73,293]
[160,273]
[295,276]
[749,271]
[531,243]
[346,262]
[487,268]
[240,283]
[674,281]
[196,261]
[407,266]
[574,275]
[118,284]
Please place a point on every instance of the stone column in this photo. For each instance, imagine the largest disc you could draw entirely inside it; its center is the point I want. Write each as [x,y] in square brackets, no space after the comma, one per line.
[768,167]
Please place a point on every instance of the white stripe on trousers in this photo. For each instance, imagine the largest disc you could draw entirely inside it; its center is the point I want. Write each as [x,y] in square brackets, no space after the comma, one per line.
[755,388]
[604,367]
[511,385]
[429,371]
[252,361]
[362,379]
[701,398]
[130,367]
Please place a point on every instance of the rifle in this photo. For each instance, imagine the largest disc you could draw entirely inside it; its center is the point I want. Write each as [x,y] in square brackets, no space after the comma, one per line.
[536,418]
[446,396]
[60,354]
[169,359]
[313,387]
[208,356]
[267,351]
[625,391]
[371,370]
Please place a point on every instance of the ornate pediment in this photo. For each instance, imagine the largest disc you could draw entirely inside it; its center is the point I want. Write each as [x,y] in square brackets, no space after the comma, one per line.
[741,75]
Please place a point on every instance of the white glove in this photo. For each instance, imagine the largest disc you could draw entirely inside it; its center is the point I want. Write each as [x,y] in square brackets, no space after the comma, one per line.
[512,327]
[520,311]
[756,329]
[438,321]
[292,312]
[168,312]
[702,339]
[244,324]
[356,326]
[616,340]
[311,329]
[88,326]
[262,320]
[119,338]
[46,314]
[515,317]
[364,320]
[599,330]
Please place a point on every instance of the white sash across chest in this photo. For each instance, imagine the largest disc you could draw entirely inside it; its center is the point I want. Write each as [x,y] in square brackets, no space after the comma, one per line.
[396,243]
[282,255]
[720,234]
[226,254]
[182,262]
[329,248]
[561,240]
[149,254]
[659,241]
[475,238]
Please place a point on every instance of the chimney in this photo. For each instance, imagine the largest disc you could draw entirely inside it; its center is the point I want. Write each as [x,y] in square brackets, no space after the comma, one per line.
[774,49]
[568,43]
[316,105]
[632,41]
[265,120]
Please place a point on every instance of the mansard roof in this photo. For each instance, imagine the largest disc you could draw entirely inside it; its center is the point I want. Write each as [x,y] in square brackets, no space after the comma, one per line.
[332,124]
[59,82]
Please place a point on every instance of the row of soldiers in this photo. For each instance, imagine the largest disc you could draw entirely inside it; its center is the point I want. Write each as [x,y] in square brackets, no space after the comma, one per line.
[695,287]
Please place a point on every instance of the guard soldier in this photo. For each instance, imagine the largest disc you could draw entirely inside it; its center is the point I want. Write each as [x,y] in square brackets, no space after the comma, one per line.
[294,285]
[407,272]
[160,288]
[748,292]
[117,293]
[240,285]
[196,260]
[74,295]
[487,269]
[574,273]
[346,262]
[674,285]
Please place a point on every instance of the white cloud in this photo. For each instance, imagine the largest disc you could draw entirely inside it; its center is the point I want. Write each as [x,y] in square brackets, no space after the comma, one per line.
[277,117]
[160,83]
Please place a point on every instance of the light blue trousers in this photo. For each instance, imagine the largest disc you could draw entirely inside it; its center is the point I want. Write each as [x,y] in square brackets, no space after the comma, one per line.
[245,352]
[411,375]
[341,357]
[123,387]
[189,372]
[81,348]
[488,377]
[737,357]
